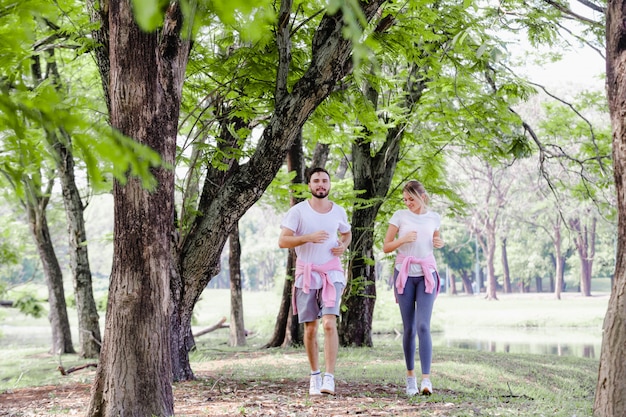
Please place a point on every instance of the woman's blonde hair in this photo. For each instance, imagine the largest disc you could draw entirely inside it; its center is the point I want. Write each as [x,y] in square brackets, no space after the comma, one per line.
[416,190]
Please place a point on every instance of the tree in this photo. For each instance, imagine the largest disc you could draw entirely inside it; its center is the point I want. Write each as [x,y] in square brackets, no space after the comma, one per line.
[237,329]
[611,387]
[488,189]
[59,143]
[146,73]
[35,202]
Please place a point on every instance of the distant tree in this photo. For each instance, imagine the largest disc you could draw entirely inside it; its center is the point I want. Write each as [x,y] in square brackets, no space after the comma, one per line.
[237,328]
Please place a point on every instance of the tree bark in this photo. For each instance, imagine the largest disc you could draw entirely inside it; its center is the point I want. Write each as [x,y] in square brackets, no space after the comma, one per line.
[146,77]
[88,318]
[610,398]
[237,328]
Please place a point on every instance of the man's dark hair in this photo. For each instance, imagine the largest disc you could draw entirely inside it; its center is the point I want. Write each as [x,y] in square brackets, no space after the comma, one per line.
[313,171]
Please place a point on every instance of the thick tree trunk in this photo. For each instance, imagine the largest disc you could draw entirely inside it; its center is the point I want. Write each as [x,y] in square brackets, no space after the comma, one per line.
[134,376]
[610,398]
[59,322]
[88,318]
[359,298]
[373,171]
[372,176]
[237,328]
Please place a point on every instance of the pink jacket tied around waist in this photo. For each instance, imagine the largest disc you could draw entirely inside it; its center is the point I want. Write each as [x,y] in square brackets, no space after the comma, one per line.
[428,263]
[328,288]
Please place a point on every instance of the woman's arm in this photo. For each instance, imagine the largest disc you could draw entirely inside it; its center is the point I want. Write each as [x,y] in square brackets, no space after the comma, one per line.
[437,240]
[391,243]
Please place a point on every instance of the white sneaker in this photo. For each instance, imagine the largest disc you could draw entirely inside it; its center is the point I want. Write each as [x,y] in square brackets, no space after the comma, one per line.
[426,388]
[411,386]
[328,387]
[315,384]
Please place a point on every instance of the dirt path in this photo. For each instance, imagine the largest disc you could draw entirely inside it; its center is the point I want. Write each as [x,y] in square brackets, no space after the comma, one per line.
[210,396]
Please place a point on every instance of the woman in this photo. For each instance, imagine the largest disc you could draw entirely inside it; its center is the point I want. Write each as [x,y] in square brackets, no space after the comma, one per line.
[414,232]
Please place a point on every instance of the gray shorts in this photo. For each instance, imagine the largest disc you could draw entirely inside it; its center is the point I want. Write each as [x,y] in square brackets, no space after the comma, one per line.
[311,306]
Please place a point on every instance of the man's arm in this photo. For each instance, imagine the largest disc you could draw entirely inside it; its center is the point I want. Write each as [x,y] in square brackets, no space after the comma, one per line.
[343,243]
[288,239]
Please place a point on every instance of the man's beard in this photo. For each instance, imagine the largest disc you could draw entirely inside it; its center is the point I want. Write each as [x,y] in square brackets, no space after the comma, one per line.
[320,194]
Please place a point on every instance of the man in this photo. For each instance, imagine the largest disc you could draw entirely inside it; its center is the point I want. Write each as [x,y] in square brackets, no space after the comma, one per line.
[319,231]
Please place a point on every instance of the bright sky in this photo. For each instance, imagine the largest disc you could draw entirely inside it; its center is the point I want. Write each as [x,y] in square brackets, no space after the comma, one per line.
[584,67]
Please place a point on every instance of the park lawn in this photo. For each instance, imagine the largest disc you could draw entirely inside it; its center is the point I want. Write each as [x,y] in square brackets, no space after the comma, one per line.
[255,381]
[370,381]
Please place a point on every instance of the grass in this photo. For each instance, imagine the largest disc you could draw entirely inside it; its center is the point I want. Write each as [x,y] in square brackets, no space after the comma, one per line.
[484,383]
[481,383]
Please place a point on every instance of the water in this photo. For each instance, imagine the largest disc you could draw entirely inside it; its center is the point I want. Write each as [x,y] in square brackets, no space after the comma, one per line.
[584,342]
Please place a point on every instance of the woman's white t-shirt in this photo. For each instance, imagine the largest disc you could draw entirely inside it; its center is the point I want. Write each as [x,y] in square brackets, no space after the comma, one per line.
[425,225]
[302,220]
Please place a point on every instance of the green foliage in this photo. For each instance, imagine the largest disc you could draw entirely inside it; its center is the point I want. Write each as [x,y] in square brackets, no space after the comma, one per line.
[245,15]
[28,304]
[101,302]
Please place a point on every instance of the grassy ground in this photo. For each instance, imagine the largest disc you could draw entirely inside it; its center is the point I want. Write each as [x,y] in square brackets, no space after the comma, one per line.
[370,381]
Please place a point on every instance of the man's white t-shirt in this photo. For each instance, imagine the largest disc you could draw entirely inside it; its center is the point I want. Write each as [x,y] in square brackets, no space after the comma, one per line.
[425,225]
[302,220]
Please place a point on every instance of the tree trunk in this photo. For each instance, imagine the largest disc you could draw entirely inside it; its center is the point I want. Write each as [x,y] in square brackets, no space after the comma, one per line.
[60,144]
[237,328]
[466,278]
[134,376]
[488,245]
[452,283]
[505,268]
[36,203]
[355,327]
[286,330]
[373,171]
[59,322]
[611,388]
[585,245]
[88,318]
[558,259]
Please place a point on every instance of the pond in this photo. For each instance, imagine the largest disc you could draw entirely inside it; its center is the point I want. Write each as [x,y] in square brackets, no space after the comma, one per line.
[581,342]
[585,342]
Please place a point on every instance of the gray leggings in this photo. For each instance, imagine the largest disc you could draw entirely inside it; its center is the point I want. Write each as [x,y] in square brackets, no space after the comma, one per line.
[416,307]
